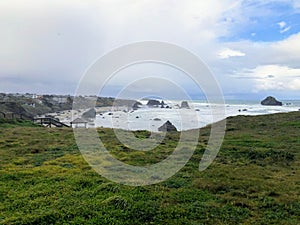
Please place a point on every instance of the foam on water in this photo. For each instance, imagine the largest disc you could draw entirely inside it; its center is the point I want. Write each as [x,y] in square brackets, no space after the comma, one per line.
[198,116]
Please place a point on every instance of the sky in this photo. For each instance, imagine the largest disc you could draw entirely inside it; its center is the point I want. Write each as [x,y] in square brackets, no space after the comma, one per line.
[252,47]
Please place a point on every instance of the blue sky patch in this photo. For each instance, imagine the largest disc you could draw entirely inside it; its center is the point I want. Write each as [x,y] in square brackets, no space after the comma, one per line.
[264,22]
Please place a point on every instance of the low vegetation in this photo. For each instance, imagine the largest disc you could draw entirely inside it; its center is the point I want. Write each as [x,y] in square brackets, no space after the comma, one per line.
[254,179]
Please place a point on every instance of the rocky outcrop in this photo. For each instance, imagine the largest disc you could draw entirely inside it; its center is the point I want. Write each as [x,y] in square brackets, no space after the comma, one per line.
[167,126]
[153,103]
[271,101]
[90,114]
[184,105]
[136,105]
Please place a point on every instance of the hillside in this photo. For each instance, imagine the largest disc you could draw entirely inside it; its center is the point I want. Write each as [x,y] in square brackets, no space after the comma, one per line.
[33,105]
[254,180]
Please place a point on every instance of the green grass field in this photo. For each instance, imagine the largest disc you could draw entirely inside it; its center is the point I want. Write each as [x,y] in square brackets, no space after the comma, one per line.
[255,178]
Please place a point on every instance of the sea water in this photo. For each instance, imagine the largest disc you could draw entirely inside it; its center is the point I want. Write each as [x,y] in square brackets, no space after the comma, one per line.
[199,115]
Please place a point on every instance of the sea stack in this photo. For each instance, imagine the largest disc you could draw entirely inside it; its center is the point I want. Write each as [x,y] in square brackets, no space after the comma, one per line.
[136,105]
[184,105]
[153,103]
[90,114]
[271,101]
[167,126]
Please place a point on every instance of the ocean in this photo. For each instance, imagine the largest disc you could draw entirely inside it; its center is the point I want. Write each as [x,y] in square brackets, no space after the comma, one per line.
[199,115]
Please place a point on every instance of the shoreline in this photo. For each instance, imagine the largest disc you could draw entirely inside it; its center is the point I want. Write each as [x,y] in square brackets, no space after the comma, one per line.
[198,116]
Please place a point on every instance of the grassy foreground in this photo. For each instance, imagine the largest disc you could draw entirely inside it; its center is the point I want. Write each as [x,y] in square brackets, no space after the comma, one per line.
[254,180]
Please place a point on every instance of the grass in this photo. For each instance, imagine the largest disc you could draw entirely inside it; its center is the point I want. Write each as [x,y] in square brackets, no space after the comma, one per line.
[254,179]
[8,123]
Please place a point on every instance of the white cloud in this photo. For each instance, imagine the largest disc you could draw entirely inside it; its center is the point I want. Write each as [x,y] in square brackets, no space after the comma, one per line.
[288,49]
[285,30]
[296,4]
[282,24]
[282,53]
[283,27]
[55,39]
[227,53]
[273,77]
[267,66]
[63,37]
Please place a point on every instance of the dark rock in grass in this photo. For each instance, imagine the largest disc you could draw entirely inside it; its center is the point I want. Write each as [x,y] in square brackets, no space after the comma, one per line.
[271,101]
[91,113]
[167,126]
[184,105]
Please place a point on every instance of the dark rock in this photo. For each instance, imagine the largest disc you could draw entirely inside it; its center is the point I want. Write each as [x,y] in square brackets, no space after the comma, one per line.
[184,105]
[136,105]
[167,126]
[271,101]
[91,113]
[152,102]
[157,119]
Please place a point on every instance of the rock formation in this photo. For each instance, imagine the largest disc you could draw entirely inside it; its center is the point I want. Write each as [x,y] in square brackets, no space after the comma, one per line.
[271,101]
[184,105]
[167,126]
[153,102]
[90,114]
[136,105]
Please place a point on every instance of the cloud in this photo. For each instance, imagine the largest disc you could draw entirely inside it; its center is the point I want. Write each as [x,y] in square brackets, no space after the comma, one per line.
[57,40]
[48,40]
[283,27]
[266,66]
[273,77]
[227,53]
[287,51]
[282,24]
